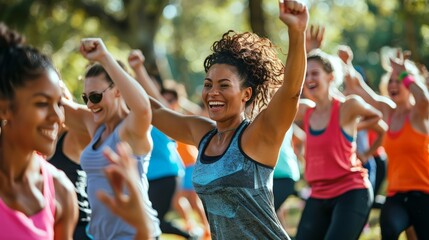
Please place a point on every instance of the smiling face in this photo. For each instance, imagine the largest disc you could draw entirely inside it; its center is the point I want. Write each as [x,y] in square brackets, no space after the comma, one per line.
[105,108]
[397,91]
[222,93]
[317,80]
[35,114]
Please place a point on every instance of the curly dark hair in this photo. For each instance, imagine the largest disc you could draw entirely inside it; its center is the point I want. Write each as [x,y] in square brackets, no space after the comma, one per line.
[19,62]
[256,61]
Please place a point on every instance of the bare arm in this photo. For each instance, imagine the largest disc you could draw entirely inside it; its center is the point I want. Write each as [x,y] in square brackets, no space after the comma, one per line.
[188,129]
[272,123]
[136,125]
[280,112]
[314,37]
[421,95]
[355,83]
[66,212]
[358,115]
[78,116]
[417,89]
[136,61]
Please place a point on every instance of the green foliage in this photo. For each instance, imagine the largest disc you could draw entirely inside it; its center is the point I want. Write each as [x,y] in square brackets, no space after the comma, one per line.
[178,33]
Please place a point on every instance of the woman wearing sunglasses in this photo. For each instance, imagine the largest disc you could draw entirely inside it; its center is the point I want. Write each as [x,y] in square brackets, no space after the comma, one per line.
[110,117]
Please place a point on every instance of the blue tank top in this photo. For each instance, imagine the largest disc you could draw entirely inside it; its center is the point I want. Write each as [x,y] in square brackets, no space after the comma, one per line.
[236,192]
[165,160]
[287,163]
[104,224]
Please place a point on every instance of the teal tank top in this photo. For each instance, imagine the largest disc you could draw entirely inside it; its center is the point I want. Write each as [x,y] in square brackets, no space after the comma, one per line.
[236,192]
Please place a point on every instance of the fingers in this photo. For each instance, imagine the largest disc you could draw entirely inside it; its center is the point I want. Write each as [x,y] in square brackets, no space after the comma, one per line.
[111,155]
[115,178]
[108,201]
[320,33]
[407,54]
[90,44]
[345,54]
[316,32]
[125,154]
[123,170]
[136,58]
[293,7]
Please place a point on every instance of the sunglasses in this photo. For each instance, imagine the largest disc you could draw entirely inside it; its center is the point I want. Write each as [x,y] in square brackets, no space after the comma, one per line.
[95,97]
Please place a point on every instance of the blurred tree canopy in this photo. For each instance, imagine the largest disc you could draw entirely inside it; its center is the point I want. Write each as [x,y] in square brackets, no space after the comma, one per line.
[176,35]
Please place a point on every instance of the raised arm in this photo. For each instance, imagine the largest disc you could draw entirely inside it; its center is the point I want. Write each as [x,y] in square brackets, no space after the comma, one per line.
[314,37]
[355,84]
[135,129]
[192,128]
[280,112]
[77,116]
[416,88]
[271,124]
[136,60]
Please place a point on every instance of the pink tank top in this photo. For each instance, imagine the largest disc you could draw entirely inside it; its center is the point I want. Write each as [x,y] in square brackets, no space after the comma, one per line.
[16,225]
[331,166]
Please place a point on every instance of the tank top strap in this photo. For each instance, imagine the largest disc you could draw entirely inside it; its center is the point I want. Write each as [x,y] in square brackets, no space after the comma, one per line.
[307,115]
[59,145]
[335,114]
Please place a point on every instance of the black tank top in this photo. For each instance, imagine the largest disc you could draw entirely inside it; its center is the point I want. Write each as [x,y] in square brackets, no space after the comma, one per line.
[77,176]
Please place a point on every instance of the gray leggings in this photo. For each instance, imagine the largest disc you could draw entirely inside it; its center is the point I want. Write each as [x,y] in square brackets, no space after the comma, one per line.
[342,217]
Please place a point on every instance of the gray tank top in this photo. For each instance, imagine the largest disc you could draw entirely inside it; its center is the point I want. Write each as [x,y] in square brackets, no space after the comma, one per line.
[104,224]
[236,192]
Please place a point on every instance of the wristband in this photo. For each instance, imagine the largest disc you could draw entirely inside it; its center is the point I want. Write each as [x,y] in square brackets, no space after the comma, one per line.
[402,75]
[406,79]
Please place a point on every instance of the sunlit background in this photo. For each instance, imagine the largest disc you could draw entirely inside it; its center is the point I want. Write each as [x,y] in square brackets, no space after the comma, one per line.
[176,35]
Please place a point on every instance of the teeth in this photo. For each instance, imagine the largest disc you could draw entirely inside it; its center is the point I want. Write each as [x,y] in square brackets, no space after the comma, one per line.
[50,133]
[216,104]
[311,85]
[96,110]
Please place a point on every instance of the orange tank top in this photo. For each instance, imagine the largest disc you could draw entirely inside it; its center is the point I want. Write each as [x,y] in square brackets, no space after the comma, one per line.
[408,160]
[188,153]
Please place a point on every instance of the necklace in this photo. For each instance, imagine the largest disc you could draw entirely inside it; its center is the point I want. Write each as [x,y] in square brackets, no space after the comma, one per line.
[220,133]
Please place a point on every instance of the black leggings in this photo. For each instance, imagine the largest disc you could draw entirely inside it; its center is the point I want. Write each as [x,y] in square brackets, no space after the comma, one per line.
[282,189]
[161,192]
[403,210]
[342,217]
[380,174]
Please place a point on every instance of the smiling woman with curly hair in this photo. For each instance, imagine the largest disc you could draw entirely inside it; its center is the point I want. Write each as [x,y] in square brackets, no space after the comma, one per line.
[238,151]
